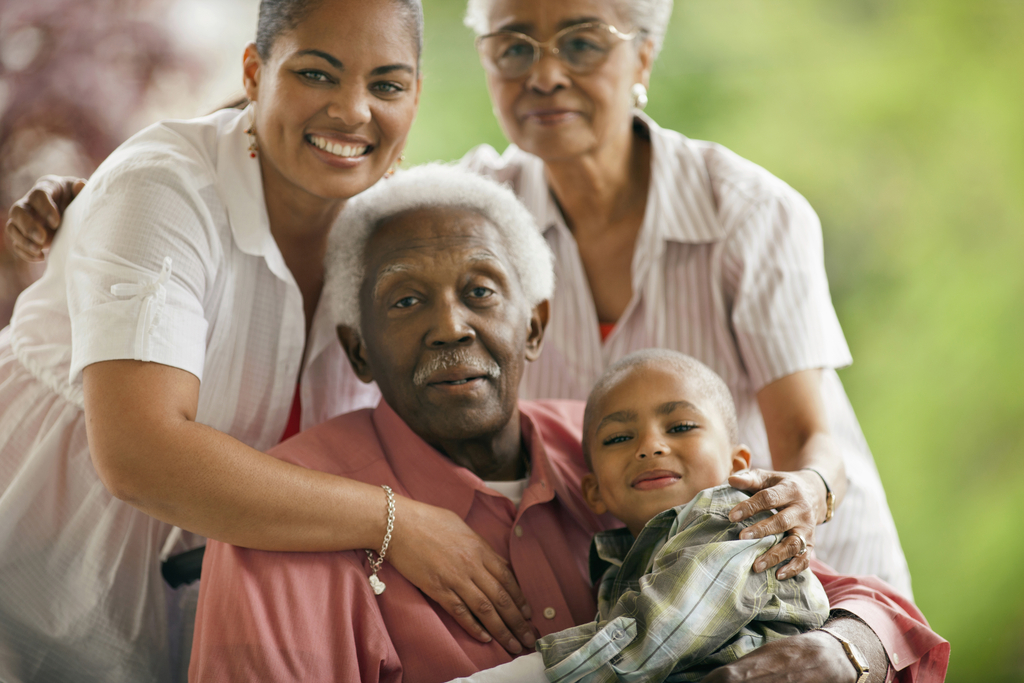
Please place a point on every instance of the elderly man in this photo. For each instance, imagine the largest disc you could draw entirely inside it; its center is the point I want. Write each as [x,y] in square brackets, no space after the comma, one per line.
[440,283]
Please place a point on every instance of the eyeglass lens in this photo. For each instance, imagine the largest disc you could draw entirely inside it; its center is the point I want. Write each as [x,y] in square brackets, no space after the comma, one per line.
[582,49]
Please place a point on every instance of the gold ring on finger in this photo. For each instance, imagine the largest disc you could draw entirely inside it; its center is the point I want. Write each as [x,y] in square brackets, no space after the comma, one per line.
[803,543]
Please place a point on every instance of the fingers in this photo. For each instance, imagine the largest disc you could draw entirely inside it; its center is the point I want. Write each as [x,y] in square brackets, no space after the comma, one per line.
[455,606]
[479,614]
[751,479]
[787,549]
[44,199]
[501,616]
[26,229]
[768,499]
[22,247]
[437,552]
[500,570]
[779,523]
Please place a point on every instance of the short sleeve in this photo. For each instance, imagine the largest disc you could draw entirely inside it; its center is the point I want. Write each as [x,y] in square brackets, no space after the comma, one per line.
[782,313]
[143,255]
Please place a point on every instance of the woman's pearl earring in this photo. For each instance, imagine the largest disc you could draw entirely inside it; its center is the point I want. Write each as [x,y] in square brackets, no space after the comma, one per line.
[639,95]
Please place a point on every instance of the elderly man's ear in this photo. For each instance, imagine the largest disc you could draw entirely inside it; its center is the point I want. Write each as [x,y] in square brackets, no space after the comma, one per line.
[538,323]
[352,342]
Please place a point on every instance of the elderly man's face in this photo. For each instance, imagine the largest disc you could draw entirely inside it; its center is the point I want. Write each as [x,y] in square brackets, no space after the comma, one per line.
[446,326]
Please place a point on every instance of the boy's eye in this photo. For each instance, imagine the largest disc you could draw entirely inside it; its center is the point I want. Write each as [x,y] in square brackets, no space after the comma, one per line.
[680,428]
[621,438]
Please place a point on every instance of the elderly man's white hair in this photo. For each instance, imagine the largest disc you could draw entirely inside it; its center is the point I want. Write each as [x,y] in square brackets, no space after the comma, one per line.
[649,16]
[424,187]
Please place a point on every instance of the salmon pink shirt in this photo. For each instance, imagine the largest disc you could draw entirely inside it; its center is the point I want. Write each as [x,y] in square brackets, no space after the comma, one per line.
[313,617]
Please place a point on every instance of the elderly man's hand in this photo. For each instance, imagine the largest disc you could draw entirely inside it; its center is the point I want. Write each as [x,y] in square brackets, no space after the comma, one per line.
[812,657]
[439,554]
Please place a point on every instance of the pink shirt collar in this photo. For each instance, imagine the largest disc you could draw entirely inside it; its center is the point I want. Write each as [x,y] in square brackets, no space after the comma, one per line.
[430,477]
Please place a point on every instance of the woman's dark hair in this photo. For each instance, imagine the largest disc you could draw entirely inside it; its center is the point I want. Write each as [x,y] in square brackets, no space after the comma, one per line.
[278,16]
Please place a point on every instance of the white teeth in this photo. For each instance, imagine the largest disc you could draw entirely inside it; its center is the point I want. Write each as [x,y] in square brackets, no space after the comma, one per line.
[336,148]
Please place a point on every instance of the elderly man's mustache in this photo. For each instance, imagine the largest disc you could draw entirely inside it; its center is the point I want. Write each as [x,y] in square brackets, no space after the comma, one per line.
[454,358]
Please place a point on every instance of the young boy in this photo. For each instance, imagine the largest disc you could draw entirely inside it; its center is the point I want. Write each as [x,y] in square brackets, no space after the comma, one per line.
[677,597]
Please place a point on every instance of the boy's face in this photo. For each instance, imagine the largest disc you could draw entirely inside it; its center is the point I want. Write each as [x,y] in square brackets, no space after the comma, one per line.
[656,442]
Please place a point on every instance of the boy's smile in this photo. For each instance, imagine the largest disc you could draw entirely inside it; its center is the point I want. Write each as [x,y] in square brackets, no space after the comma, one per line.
[656,443]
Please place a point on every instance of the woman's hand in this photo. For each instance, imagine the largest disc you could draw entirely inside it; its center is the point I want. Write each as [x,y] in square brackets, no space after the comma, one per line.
[798,436]
[799,498]
[436,551]
[34,218]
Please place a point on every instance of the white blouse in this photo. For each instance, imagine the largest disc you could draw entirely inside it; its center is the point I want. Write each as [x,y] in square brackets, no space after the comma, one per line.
[728,267]
[166,256]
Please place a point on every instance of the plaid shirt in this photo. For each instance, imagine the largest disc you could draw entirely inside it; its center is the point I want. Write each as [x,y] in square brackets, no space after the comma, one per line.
[682,600]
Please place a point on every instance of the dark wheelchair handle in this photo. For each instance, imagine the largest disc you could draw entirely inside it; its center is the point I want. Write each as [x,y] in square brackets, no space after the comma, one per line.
[184,568]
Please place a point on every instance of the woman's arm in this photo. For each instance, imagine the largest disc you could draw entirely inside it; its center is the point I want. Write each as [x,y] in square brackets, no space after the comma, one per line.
[150,452]
[798,438]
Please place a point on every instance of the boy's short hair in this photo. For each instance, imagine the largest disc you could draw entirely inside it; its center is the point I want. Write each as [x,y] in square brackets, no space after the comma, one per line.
[707,382]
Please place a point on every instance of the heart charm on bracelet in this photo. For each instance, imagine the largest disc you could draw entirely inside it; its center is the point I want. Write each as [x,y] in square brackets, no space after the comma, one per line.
[377,585]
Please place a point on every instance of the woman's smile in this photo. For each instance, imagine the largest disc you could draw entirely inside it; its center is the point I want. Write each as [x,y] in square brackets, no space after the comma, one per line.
[340,151]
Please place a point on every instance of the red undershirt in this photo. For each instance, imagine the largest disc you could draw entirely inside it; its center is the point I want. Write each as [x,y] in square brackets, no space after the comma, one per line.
[606,329]
[294,417]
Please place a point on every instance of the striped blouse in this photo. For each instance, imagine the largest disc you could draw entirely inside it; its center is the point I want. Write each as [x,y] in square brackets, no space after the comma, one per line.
[728,267]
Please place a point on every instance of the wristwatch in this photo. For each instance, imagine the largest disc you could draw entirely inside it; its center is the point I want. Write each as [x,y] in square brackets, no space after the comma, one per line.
[860,663]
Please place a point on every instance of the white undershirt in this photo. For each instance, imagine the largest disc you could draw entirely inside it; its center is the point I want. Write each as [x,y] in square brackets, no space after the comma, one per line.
[513,490]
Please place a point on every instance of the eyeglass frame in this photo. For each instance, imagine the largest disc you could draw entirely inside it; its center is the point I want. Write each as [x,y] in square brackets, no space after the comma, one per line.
[551,43]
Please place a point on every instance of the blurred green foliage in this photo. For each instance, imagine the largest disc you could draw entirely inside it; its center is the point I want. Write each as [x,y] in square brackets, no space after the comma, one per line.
[903,124]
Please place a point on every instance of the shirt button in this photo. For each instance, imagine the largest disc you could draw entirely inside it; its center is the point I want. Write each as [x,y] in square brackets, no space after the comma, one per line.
[519,531]
[618,635]
[549,612]
[896,658]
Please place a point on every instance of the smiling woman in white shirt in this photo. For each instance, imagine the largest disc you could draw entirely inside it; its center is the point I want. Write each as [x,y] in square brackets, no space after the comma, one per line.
[142,377]
[662,241]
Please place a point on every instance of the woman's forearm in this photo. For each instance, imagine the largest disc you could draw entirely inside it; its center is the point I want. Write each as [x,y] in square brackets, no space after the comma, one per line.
[819,452]
[150,452]
[798,433]
[209,483]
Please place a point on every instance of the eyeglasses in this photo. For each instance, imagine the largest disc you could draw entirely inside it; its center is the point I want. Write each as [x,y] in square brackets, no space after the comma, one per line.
[582,48]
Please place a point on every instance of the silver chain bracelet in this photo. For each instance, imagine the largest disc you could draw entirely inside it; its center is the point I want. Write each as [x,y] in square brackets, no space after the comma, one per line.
[376,584]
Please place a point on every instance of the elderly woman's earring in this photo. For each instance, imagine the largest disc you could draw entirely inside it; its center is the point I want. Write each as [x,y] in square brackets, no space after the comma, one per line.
[638,94]
[394,166]
[254,146]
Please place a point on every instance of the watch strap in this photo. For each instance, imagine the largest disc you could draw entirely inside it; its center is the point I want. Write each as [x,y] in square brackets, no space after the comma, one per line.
[853,653]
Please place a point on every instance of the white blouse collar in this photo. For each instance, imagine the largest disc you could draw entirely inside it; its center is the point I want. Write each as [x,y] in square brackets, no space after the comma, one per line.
[242,185]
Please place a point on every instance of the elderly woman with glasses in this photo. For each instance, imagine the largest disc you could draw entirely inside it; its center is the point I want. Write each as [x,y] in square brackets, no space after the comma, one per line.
[663,241]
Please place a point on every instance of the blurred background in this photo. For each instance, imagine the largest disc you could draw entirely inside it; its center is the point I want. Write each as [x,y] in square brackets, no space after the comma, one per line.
[901,122]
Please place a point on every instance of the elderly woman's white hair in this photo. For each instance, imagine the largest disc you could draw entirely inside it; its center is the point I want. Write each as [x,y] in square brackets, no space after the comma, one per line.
[649,16]
[430,186]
